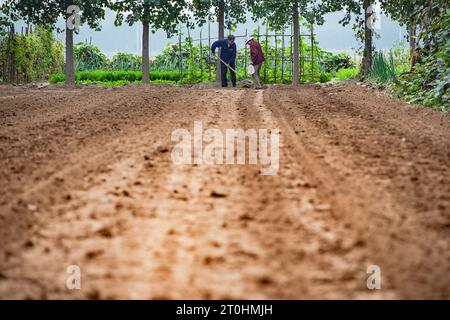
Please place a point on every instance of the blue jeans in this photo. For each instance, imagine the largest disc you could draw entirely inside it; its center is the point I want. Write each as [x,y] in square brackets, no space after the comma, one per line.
[224,70]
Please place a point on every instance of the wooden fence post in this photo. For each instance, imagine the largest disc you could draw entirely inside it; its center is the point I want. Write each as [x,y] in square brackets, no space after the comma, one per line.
[302,56]
[201,57]
[267,48]
[312,52]
[276,56]
[282,56]
[291,52]
[258,33]
[191,58]
[245,55]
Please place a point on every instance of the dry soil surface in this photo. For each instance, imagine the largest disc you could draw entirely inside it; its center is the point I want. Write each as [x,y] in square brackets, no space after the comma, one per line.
[87,179]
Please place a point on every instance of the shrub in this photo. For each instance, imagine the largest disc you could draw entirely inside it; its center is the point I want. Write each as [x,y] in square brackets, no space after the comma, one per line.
[325,77]
[334,62]
[126,62]
[57,78]
[88,57]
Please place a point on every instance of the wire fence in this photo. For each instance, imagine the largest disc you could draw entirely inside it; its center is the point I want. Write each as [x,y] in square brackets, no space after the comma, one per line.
[277,47]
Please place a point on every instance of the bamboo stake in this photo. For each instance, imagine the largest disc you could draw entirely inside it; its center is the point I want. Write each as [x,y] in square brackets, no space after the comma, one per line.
[276,57]
[258,32]
[312,52]
[180,57]
[291,52]
[267,48]
[302,58]
[282,57]
[191,57]
[245,56]
[201,57]
[209,47]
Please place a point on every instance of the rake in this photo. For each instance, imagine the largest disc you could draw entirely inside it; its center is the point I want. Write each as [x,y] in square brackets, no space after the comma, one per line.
[250,69]
[228,66]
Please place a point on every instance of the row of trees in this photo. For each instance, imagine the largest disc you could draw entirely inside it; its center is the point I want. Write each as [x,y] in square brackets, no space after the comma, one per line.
[168,14]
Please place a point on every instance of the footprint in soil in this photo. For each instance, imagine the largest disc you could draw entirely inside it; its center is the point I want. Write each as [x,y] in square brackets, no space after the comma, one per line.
[218,194]
[213,260]
[92,254]
[105,232]
[162,149]
[265,280]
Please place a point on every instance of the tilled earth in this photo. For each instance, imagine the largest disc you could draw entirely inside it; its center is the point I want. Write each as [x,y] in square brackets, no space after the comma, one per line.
[87,179]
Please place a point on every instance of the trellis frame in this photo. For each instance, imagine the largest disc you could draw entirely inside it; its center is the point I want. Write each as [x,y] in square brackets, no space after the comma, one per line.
[267,36]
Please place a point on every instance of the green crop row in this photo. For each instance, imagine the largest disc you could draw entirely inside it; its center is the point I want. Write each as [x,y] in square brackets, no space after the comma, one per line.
[116,76]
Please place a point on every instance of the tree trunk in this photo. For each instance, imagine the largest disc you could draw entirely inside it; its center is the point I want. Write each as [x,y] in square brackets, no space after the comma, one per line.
[368,35]
[70,68]
[145,53]
[221,22]
[413,44]
[11,66]
[296,58]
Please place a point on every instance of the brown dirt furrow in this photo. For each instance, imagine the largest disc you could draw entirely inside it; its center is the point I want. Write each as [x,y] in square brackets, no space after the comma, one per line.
[321,255]
[51,191]
[376,181]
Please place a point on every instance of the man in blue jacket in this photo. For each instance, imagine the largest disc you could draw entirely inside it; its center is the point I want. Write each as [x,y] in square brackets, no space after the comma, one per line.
[228,54]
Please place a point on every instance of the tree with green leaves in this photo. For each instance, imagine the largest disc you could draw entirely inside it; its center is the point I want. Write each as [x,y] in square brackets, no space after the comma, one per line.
[154,14]
[227,13]
[368,36]
[48,12]
[362,12]
[406,12]
[3,22]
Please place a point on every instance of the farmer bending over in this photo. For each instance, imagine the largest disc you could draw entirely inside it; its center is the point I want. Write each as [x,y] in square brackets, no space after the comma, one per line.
[228,55]
[257,58]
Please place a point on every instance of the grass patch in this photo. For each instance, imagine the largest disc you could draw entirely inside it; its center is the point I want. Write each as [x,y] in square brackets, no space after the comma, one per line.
[345,74]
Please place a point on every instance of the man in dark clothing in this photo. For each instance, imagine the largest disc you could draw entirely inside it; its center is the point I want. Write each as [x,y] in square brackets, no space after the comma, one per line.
[257,59]
[227,54]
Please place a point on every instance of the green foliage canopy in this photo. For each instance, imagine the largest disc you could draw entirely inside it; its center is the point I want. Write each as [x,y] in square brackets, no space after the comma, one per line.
[234,11]
[159,14]
[278,13]
[48,12]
